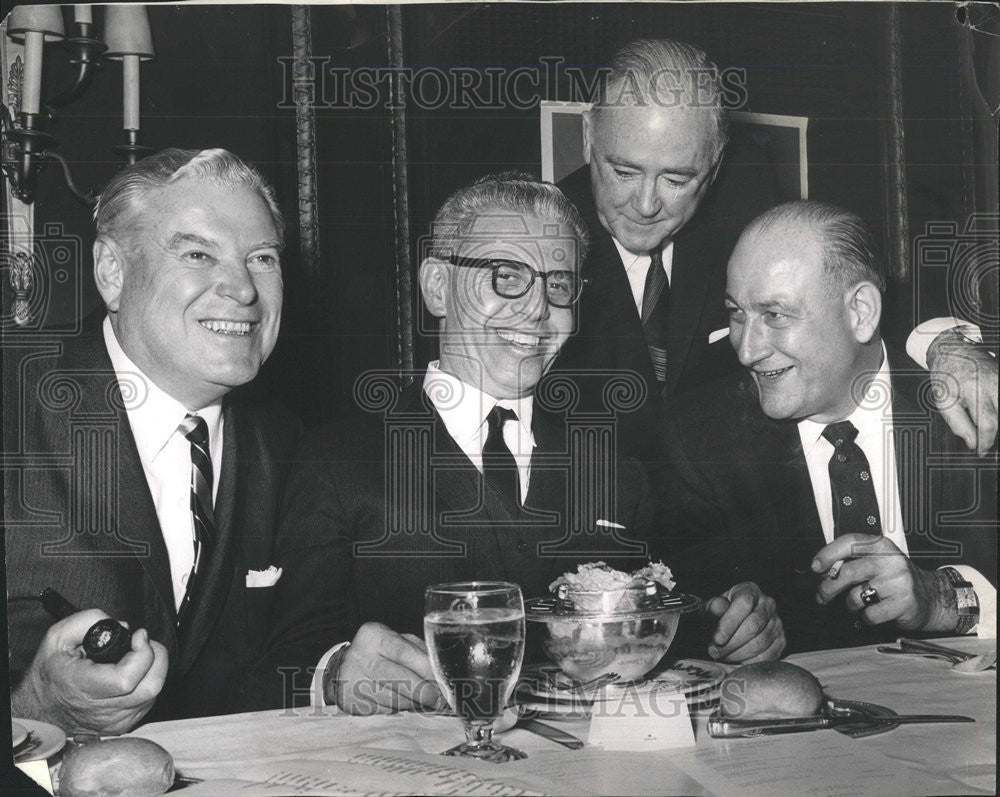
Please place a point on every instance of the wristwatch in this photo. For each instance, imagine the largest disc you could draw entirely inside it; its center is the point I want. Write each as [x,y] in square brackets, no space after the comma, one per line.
[965,598]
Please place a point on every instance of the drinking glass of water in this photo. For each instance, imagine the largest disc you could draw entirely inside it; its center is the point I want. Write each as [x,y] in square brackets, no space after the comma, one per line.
[475,636]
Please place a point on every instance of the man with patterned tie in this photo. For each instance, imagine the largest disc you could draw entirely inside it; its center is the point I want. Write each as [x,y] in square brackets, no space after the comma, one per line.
[665,196]
[458,478]
[822,472]
[148,474]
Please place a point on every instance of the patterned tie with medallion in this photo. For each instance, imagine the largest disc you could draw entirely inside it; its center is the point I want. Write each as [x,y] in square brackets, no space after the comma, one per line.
[855,507]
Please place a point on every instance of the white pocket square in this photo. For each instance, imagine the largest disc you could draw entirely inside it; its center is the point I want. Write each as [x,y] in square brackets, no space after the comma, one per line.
[263,578]
[719,334]
[608,524]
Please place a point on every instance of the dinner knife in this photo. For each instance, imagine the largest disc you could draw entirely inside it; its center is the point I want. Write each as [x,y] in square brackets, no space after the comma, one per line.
[550,732]
[722,727]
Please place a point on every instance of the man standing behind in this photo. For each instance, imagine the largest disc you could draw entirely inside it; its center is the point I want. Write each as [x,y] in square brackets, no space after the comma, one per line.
[145,489]
[822,473]
[661,232]
[662,228]
[461,479]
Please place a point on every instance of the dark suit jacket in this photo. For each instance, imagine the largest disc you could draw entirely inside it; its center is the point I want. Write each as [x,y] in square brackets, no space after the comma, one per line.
[79,518]
[381,507]
[609,337]
[738,484]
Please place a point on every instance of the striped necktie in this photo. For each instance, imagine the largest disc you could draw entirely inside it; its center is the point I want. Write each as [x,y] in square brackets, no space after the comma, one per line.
[655,302]
[194,428]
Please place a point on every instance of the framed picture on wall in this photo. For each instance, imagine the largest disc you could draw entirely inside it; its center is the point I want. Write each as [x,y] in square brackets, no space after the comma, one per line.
[781,138]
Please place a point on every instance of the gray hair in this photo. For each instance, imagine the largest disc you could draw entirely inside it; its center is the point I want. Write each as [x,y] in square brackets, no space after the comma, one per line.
[849,253]
[664,71]
[513,192]
[123,195]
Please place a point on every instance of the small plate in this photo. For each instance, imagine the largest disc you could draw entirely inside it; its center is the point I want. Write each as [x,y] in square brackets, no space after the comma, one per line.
[687,675]
[547,681]
[17,733]
[48,740]
[698,680]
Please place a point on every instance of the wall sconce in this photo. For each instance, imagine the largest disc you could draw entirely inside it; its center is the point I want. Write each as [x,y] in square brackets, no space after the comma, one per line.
[26,144]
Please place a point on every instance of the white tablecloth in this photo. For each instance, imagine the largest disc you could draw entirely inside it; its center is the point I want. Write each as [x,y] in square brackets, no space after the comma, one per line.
[322,753]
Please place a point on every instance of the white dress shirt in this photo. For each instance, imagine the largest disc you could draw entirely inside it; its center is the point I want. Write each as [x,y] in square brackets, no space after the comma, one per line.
[464,408]
[636,267]
[920,339]
[873,420]
[165,455]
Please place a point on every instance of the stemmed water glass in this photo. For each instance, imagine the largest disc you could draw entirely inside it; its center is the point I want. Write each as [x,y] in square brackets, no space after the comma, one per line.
[475,636]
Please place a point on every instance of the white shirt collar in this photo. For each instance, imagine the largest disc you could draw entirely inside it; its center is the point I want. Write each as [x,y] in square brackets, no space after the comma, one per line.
[463,408]
[153,415]
[632,261]
[869,417]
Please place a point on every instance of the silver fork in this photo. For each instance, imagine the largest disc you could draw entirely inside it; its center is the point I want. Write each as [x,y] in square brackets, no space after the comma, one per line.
[923,644]
[594,683]
[927,654]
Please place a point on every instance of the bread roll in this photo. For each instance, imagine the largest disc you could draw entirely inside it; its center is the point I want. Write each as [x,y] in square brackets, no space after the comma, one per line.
[770,690]
[115,768]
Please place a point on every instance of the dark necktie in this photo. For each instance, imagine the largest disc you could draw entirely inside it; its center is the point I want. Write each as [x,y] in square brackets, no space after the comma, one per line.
[855,508]
[499,466]
[194,428]
[655,303]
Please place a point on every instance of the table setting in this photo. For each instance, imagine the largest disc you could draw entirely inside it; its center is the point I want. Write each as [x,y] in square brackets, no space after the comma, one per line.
[611,711]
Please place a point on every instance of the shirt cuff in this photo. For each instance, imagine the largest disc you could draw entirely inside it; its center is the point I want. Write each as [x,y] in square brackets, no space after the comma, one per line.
[318,698]
[921,338]
[986,594]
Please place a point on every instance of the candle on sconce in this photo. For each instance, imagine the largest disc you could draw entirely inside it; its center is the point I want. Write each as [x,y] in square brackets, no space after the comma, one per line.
[31,92]
[34,26]
[130,88]
[126,31]
[83,13]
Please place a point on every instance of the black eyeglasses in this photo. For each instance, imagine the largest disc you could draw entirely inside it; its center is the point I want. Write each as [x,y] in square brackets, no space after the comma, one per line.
[513,279]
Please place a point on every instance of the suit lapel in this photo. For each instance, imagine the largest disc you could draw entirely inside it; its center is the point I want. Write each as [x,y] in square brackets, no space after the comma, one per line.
[133,514]
[690,281]
[917,437]
[609,328]
[215,581]
[457,484]
[910,432]
[139,523]
[803,502]
[783,466]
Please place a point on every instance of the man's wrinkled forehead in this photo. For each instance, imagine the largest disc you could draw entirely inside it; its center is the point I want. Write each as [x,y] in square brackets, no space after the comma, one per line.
[185,196]
[496,233]
[785,249]
[667,87]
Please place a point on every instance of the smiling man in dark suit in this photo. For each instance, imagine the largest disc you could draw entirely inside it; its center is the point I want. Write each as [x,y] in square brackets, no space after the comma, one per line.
[146,477]
[665,198]
[661,229]
[459,477]
[821,472]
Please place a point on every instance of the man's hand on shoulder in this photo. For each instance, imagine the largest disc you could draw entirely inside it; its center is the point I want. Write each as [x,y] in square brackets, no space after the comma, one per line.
[67,689]
[382,672]
[912,598]
[749,628]
[964,376]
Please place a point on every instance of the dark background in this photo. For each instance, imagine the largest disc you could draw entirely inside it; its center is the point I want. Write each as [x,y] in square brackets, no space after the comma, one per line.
[217,82]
